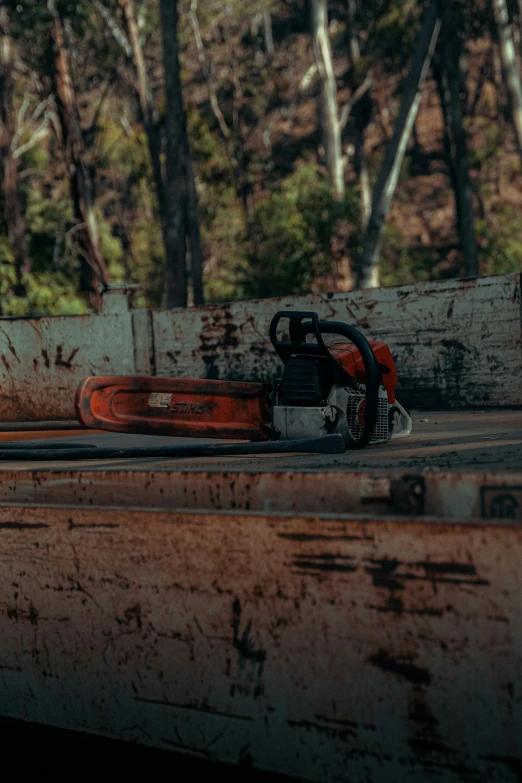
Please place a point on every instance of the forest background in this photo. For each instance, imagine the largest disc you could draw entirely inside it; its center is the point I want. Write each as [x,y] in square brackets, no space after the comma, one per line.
[213,150]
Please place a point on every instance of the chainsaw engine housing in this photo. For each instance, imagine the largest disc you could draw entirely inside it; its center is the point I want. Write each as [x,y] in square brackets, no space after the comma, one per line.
[325,389]
[343,414]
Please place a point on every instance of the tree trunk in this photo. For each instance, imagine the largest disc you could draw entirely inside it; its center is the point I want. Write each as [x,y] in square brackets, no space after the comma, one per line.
[363,174]
[448,74]
[500,119]
[269,39]
[177,191]
[329,109]
[359,119]
[232,135]
[368,272]
[146,109]
[143,94]
[13,207]
[193,233]
[94,272]
[509,67]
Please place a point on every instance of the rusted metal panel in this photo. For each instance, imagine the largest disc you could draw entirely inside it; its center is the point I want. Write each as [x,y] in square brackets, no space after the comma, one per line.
[326,648]
[458,496]
[43,360]
[457,343]
[143,341]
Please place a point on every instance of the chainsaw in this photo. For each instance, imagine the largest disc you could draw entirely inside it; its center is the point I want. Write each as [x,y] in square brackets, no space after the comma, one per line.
[344,389]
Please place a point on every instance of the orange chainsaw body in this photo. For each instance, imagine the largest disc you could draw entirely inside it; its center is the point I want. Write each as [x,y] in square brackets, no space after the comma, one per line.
[201,408]
[175,406]
[347,355]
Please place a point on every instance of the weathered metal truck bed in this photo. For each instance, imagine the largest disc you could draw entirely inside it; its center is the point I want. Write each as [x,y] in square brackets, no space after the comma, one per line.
[321,617]
[347,618]
[326,647]
[458,458]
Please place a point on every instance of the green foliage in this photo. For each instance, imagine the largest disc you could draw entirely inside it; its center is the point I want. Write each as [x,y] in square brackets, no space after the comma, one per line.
[395,32]
[485,155]
[111,249]
[225,245]
[124,160]
[500,240]
[208,150]
[48,221]
[7,269]
[292,233]
[288,234]
[145,266]
[401,263]
[47,294]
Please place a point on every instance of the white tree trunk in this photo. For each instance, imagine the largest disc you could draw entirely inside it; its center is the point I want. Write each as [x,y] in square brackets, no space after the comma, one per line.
[449,76]
[509,66]
[329,109]
[361,164]
[269,38]
[368,272]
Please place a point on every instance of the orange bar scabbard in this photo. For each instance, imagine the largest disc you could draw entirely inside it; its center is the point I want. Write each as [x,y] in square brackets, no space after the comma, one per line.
[175,406]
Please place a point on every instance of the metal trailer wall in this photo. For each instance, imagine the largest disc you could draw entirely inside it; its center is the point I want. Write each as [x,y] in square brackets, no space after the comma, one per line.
[457,343]
[326,647]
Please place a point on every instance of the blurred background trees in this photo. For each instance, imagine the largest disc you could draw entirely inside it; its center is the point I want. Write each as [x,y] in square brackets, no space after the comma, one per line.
[220,150]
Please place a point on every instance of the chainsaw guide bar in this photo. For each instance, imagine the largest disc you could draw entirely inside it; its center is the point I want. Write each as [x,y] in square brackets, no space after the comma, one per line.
[176,406]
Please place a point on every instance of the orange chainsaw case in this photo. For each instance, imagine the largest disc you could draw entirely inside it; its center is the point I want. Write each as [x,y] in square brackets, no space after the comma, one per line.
[175,406]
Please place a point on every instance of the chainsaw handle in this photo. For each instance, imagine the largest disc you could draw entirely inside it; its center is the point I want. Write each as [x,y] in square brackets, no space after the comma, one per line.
[373,375]
[297,332]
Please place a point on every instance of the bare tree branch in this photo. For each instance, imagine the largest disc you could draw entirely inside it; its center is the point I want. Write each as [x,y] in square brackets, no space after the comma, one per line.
[357,95]
[207,72]
[39,135]
[328,105]
[368,273]
[113,27]
[24,127]
[509,67]
[21,113]
[94,270]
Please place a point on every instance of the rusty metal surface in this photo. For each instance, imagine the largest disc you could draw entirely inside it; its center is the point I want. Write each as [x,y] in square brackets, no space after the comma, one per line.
[456,466]
[452,496]
[456,343]
[43,360]
[330,649]
[460,441]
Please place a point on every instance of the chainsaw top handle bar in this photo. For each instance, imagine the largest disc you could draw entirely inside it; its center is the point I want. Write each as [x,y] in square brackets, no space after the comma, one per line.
[302,324]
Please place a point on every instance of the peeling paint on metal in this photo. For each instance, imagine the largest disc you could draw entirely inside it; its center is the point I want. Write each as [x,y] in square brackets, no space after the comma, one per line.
[44,359]
[456,343]
[330,648]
